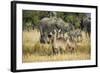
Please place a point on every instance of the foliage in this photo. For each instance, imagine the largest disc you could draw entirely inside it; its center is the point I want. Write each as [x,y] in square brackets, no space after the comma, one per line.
[34,17]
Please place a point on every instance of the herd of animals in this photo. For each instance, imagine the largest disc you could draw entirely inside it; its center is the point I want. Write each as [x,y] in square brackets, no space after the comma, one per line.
[61,36]
[61,42]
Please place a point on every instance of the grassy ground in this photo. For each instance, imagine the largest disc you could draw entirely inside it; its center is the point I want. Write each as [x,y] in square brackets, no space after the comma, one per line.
[59,57]
[33,51]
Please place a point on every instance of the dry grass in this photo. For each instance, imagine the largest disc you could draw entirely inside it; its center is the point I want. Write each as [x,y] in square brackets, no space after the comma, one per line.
[34,51]
[59,57]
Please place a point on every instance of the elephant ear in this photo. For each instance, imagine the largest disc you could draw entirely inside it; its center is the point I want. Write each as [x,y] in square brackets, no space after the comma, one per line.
[44,20]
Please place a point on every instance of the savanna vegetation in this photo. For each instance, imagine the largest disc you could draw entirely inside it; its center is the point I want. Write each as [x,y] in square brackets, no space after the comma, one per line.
[56,36]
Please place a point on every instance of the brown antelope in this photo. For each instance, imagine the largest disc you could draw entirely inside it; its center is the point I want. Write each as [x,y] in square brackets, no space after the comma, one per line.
[71,45]
[60,45]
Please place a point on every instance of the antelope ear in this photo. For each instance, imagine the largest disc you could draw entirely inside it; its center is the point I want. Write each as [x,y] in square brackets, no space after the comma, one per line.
[50,33]
[54,30]
[59,30]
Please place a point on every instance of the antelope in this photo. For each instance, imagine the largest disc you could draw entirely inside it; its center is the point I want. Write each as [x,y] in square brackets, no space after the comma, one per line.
[60,45]
[71,45]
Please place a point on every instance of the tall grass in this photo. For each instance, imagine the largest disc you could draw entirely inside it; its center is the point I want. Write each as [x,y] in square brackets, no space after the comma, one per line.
[34,51]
